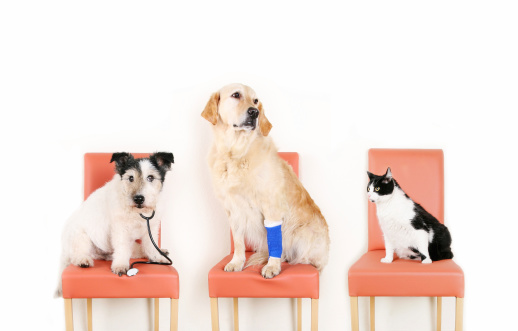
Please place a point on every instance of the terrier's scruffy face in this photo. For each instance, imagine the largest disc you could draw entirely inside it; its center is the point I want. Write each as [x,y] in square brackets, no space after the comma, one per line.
[142,179]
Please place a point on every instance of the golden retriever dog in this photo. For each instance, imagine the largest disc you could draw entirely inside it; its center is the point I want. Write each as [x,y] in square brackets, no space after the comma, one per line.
[258,188]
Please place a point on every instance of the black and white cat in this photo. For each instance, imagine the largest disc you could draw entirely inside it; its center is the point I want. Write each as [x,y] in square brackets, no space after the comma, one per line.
[409,230]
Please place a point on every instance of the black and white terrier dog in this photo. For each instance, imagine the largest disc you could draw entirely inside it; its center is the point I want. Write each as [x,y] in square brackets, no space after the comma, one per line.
[107,224]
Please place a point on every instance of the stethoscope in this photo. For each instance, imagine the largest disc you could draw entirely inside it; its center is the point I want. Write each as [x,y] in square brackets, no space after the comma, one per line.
[133,271]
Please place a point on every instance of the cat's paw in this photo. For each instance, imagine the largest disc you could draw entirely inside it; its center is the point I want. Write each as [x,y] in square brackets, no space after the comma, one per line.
[386,260]
[427,261]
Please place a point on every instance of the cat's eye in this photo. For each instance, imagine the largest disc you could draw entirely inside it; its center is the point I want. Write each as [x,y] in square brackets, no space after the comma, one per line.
[368,189]
[377,189]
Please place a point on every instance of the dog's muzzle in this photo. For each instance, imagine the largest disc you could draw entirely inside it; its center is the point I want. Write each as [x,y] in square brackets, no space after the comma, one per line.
[139,200]
[251,119]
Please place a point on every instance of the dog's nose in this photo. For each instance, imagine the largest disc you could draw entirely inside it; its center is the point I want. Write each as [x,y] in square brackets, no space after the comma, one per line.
[253,112]
[139,199]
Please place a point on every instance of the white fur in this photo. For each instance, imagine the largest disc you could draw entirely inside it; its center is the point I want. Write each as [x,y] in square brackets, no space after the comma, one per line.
[395,212]
[107,224]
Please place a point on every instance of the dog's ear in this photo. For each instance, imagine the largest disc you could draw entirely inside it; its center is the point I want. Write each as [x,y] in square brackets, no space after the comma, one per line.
[264,124]
[210,113]
[121,160]
[162,160]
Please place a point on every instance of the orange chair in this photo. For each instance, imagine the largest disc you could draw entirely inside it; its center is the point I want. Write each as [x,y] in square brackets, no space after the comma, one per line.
[421,175]
[295,281]
[152,281]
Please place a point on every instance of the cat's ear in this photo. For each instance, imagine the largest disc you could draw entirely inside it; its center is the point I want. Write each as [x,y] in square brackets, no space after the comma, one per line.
[388,174]
[371,175]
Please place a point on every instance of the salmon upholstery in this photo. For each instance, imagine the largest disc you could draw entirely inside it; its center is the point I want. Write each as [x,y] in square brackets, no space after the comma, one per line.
[152,281]
[420,173]
[294,281]
[405,278]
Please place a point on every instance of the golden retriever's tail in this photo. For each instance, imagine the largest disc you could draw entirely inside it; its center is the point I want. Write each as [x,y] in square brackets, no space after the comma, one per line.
[259,258]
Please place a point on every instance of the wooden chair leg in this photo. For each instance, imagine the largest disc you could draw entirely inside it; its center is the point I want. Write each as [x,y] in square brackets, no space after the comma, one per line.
[458,313]
[314,314]
[439,313]
[89,313]
[299,314]
[157,310]
[69,323]
[214,314]
[373,313]
[236,315]
[355,326]
[174,315]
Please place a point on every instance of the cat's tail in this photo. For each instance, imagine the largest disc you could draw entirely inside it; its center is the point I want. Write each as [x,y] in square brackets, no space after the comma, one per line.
[438,253]
[446,254]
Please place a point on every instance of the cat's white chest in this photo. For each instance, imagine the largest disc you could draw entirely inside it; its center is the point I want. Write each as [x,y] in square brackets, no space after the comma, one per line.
[395,218]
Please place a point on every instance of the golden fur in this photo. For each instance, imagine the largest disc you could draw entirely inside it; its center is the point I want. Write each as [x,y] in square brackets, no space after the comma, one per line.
[255,184]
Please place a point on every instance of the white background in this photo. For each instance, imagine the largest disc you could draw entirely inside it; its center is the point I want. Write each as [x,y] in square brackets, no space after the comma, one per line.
[336,79]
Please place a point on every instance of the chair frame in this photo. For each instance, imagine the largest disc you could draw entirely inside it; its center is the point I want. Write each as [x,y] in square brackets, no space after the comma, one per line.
[215,314]
[355,321]
[69,321]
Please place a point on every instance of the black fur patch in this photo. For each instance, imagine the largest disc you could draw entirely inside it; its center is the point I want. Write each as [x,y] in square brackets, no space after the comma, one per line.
[125,161]
[162,162]
[416,251]
[386,185]
[439,248]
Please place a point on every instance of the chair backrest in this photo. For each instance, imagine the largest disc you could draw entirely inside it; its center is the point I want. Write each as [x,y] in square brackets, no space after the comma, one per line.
[419,172]
[293,160]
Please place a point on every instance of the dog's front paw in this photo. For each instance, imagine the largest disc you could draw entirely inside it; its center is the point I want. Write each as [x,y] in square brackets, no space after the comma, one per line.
[165,251]
[270,271]
[120,269]
[84,262]
[386,260]
[427,261]
[233,266]
[159,258]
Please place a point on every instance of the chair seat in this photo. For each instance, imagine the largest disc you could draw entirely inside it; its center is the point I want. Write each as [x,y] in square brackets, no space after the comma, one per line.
[152,281]
[294,281]
[370,277]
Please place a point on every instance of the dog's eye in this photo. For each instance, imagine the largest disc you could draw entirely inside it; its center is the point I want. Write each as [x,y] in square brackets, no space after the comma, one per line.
[150,178]
[377,189]
[256,101]
[131,179]
[236,95]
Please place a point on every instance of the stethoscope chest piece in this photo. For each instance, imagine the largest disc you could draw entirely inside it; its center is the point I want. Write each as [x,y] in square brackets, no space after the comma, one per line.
[132,272]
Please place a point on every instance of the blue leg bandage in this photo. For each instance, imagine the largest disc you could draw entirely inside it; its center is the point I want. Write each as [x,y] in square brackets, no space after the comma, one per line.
[274,238]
